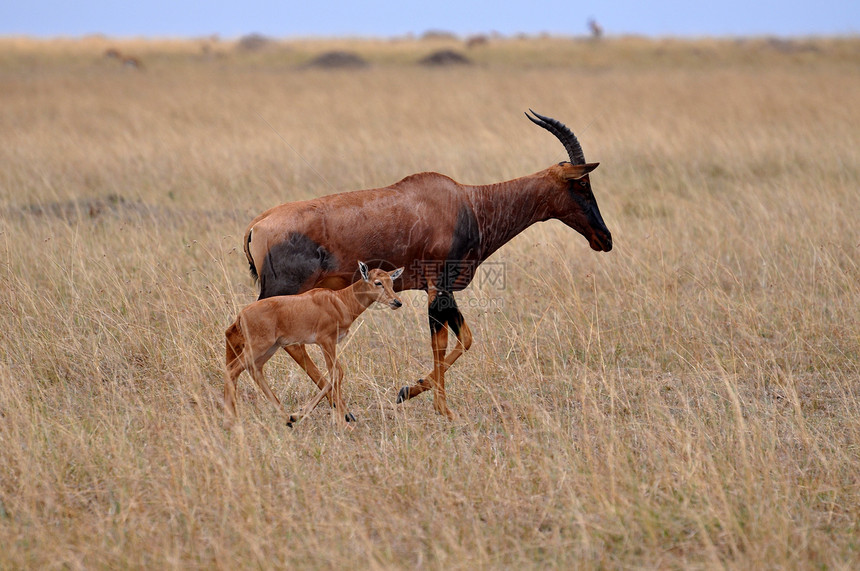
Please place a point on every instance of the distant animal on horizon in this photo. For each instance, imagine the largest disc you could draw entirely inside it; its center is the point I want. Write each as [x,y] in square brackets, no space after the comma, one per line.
[318,316]
[595,29]
[438,229]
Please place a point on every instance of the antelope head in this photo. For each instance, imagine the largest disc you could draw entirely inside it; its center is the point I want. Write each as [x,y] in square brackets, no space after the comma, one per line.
[577,207]
[381,284]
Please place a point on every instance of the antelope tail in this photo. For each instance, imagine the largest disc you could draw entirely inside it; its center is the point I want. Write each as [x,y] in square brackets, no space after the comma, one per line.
[252,267]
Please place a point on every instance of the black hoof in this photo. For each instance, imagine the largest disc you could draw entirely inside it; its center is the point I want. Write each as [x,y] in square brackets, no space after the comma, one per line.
[291,420]
[402,395]
[350,417]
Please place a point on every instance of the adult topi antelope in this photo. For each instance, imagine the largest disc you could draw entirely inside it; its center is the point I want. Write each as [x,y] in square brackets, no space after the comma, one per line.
[318,316]
[438,229]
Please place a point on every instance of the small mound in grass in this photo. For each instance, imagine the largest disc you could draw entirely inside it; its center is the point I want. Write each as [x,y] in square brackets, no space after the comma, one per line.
[338,60]
[253,42]
[445,57]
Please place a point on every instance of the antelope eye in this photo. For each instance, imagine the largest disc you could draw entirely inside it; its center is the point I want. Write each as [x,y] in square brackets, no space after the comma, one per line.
[583,184]
[378,284]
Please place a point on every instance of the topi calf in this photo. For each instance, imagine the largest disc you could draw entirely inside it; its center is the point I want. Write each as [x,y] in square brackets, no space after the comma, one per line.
[319,316]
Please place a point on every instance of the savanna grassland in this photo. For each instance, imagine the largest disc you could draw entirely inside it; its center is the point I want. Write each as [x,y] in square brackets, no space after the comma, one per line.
[689,400]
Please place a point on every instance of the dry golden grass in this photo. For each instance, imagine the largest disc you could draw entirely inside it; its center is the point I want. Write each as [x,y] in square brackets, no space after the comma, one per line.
[690,399]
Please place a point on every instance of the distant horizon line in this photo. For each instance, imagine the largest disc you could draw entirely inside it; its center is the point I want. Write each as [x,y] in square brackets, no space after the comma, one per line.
[429,35]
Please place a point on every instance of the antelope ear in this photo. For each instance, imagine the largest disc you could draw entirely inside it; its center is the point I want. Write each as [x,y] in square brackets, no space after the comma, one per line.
[362,267]
[576,172]
[396,273]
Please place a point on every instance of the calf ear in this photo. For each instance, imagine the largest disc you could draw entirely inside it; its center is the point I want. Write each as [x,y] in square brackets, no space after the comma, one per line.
[362,267]
[396,273]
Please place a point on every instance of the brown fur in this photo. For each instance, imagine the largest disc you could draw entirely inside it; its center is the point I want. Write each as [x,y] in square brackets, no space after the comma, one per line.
[319,316]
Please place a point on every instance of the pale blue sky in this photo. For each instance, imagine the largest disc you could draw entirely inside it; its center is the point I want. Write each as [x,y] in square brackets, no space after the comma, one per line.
[378,18]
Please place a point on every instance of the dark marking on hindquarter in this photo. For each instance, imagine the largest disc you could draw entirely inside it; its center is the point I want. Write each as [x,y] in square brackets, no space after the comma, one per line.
[290,264]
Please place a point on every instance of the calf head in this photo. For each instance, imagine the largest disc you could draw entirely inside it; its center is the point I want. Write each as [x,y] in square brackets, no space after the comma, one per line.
[381,284]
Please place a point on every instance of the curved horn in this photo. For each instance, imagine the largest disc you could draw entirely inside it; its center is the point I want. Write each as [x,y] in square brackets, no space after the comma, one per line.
[565,135]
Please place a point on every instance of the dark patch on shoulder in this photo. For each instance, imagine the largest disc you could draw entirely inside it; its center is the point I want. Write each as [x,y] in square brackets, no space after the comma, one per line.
[464,253]
[289,265]
[456,272]
[467,239]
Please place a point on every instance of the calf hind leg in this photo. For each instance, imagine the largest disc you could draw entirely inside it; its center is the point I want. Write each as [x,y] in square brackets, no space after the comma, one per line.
[256,370]
[233,367]
[232,373]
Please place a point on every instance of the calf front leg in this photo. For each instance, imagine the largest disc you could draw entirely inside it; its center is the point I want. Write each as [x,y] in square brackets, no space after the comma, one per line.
[331,390]
[335,374]
[310,405]
[299,353]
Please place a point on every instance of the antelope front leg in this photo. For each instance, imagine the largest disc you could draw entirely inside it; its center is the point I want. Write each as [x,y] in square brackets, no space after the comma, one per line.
[441,362]
[436,379]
